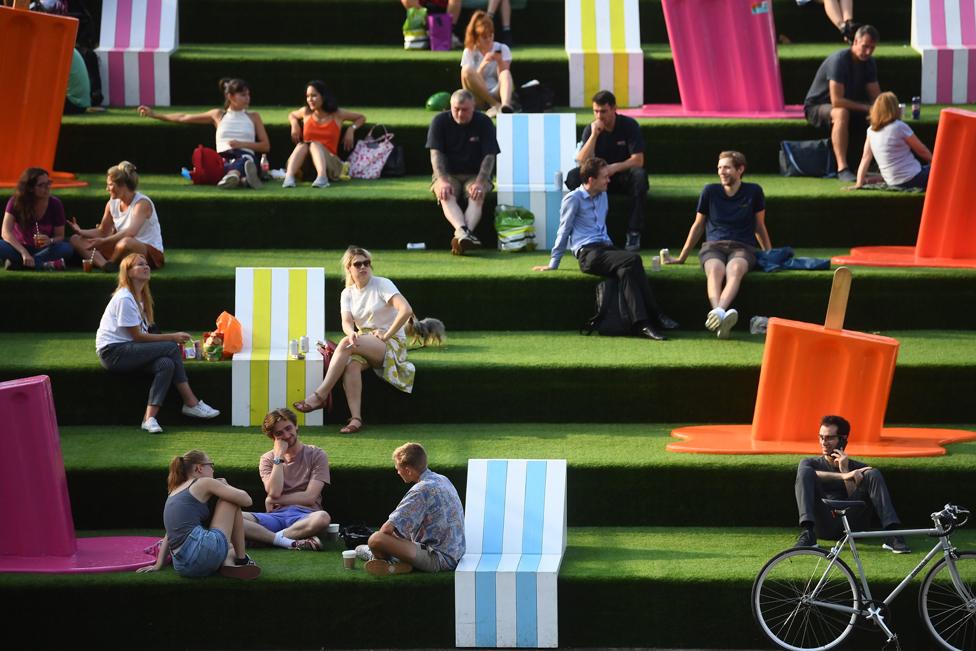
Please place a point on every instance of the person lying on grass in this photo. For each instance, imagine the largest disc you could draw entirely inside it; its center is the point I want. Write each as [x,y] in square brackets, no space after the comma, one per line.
[199,550]
[426,530]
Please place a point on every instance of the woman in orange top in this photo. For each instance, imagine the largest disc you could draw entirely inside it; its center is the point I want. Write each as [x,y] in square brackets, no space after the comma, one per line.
[315,129]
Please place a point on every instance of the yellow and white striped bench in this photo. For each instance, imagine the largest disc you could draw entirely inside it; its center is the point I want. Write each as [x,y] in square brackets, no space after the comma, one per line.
[275,305]
[604,48]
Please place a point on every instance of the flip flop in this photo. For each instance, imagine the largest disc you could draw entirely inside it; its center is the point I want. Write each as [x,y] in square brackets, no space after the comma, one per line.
[305,406]
[352,429]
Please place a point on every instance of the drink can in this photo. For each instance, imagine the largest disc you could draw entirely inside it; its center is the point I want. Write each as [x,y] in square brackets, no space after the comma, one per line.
[916,108]
[303,344]
[665,254]
[265,165]
[656,263]
[416,246]
[198,348]
[293,347]
[190,350]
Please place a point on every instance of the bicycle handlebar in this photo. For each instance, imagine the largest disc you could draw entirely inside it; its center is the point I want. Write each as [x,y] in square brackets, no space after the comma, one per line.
[949,517]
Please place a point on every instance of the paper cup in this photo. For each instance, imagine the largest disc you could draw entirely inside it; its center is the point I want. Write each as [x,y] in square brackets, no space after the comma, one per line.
[332,533]
[349,559]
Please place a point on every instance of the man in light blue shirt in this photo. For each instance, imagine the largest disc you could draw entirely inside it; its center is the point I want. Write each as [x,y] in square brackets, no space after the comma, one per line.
[583,228]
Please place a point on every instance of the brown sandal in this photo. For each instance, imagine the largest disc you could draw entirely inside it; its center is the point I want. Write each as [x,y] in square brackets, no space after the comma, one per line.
[352,429]
[305,406]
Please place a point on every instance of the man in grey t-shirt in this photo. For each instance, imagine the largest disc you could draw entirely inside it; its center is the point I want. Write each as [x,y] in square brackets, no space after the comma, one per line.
[845,83]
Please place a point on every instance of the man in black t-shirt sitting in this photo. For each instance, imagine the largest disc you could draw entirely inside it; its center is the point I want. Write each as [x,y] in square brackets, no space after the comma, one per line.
[462,148]
[617,139]
[846,82]
[732,215]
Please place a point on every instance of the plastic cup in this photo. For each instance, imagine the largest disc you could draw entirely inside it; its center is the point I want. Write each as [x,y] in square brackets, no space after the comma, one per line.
[38,240]
[86,266]
[332,533]
[349,559]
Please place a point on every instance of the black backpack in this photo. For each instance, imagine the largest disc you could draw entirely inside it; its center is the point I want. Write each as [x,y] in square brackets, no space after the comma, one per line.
[612,318]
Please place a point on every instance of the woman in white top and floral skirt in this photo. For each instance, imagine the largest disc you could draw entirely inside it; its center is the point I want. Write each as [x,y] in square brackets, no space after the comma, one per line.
[124,344]
[374,314]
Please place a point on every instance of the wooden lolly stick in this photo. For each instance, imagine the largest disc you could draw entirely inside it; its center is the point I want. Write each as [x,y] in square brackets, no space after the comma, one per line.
[837,305]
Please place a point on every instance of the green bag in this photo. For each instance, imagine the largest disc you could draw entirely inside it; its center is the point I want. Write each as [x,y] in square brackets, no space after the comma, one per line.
[415,29]
[515,227]
[439,102]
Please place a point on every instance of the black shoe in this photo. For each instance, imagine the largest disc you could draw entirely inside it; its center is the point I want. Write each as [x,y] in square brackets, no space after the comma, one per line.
[807,538]
[647,332]
[667,323]
[633,242]
[846,175]
[848,30]
[896,545]
[111,267]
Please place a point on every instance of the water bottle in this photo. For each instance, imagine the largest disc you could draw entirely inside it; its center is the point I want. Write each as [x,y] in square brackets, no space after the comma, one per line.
[916,107]
[265,165]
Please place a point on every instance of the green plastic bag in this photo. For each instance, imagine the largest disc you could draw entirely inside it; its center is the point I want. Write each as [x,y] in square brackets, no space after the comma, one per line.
[415,29]
[439,101]
[515,227]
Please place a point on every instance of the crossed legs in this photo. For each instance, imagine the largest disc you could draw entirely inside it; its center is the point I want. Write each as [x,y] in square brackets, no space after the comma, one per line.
[307,527]
[343,367]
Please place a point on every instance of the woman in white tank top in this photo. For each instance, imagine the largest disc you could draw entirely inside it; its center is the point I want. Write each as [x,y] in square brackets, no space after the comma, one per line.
[129,225]
[240,137]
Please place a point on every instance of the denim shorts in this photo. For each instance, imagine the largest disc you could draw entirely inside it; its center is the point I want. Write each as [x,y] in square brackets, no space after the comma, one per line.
[202,553]
[282,518]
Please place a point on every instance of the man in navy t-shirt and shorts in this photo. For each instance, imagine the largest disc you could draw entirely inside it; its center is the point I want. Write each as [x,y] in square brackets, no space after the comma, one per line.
[732,216]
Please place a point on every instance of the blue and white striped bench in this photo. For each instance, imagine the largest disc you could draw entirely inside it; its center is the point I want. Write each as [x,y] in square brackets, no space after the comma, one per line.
[537,152]
[515,532]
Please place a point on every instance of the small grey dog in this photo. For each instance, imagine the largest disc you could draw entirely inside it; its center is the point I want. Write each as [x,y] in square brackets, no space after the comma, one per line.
[426,332]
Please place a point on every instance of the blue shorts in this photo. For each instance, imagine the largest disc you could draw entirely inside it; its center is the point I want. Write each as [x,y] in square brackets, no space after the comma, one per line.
[282,518]
[201,554]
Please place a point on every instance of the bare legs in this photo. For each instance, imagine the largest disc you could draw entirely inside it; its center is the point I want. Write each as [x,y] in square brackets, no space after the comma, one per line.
[384,545]
[839,11]
[123,247]
[473,81]
[313,525]
[723,281]
[227,518]
[840,119]
[350,372]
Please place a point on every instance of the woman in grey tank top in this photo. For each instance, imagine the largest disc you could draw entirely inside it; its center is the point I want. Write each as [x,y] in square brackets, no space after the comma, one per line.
[198,551]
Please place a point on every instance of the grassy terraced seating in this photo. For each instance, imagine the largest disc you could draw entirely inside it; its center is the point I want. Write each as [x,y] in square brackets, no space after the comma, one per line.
[512,376]
[278,73]
[387,213]
[91,142]
[610,465]
[541,21]
[491,290]
[618,588]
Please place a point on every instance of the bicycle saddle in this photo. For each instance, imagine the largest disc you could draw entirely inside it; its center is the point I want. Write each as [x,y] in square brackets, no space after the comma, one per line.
[842,506]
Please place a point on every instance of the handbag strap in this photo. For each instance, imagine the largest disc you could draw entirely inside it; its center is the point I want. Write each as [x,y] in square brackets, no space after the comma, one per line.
[386,134]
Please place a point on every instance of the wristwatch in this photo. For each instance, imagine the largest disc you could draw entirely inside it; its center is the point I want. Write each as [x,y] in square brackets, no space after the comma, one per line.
[278,461]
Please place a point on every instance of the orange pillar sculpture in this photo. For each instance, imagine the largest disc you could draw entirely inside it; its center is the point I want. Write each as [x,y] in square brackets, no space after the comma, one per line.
[947,233]
[35,59]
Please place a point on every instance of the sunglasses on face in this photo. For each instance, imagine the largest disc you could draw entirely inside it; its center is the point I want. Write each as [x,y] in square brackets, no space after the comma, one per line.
[359,264]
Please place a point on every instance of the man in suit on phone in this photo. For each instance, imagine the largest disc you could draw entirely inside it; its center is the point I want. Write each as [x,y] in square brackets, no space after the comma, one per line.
[834,475]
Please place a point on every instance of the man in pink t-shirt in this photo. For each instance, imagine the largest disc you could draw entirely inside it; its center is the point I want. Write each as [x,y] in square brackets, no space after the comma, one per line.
[294,475]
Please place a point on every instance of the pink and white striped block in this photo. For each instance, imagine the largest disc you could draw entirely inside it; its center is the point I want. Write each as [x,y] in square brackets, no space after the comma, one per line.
[137,37]
[944,32]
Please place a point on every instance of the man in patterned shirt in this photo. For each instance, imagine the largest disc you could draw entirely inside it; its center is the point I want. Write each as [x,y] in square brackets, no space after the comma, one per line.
[426,530]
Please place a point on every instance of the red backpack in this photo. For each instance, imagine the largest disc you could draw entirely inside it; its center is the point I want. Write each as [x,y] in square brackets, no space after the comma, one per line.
[208,166]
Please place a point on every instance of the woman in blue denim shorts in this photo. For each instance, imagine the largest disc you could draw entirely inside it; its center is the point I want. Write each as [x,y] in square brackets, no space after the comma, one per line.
[198,551]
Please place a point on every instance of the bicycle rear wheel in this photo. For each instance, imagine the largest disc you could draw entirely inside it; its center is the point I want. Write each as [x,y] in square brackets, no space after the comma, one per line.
[950,616]
[793,613]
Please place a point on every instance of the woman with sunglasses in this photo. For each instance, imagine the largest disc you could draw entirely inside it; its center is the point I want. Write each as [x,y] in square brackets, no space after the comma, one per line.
[33,226]
[125,344]
[203,541]
[374,313]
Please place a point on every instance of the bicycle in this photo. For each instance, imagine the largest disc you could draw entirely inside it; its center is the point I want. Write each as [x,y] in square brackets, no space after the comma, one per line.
[806,598]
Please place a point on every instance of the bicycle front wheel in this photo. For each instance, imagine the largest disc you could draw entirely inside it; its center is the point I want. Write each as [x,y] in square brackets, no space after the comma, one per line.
[949,615]
[801,601]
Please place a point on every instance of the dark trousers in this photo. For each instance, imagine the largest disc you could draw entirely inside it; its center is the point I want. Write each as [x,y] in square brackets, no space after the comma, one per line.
[633,183]
[162,359]
[872,490]
[628,268]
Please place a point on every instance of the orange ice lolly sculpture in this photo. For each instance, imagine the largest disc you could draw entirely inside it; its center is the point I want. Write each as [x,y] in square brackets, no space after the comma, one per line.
[809,371]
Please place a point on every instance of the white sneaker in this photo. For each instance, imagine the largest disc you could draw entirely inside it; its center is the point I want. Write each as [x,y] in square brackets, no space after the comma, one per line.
[289,182]
[151,426]
[725,329]
[714,319]
[230,180]
[200,410]
[251,172]
[321,182]
[364,553]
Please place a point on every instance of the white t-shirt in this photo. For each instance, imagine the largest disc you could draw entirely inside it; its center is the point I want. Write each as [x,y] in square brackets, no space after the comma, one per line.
[895,158]
[121,313]
[370,306]
[474,58]
[150,232]
[234,125]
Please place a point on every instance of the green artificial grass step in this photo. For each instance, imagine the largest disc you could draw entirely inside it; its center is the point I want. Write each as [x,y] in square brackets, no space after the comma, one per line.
[617,587]
[609,463]
[387,213]
[540,21]
[508,376]
[489,290]
[91,142]
[387,74]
